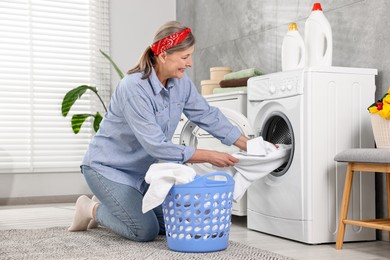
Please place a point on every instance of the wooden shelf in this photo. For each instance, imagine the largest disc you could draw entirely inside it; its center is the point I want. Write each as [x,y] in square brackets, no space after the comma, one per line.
[383,224]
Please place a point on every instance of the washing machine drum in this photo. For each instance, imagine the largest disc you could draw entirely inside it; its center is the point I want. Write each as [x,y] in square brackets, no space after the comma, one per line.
[192,135]
[277,129]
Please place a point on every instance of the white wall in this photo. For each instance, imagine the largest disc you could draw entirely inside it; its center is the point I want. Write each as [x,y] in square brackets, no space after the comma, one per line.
[132,23]
[19,186]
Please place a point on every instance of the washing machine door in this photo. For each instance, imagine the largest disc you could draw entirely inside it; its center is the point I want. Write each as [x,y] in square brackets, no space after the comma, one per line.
[281,194]
[192,135]
[277,129]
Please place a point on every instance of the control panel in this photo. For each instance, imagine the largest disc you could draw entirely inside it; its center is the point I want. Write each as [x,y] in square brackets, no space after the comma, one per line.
[275,85]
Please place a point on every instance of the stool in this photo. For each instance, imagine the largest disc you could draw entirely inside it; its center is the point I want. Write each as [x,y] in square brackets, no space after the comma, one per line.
[369,160]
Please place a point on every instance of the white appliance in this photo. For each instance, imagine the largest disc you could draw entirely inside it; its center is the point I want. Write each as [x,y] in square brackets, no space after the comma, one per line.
[234,106]
[320,111]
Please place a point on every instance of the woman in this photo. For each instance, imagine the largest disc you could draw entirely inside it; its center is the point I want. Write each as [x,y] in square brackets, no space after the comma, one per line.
[136,132]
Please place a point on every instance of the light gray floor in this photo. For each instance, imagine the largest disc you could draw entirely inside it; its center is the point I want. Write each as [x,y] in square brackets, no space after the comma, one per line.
[51,215]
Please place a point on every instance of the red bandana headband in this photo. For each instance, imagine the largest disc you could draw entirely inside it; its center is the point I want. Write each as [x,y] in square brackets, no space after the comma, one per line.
[170,41]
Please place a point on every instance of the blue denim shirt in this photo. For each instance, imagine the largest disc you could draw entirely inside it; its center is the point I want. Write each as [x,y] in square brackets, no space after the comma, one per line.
[139,125]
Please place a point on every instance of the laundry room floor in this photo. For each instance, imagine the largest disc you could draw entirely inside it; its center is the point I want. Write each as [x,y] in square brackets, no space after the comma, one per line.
[51,215]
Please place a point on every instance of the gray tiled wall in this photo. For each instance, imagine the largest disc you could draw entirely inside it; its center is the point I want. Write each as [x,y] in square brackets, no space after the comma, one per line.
[248,33]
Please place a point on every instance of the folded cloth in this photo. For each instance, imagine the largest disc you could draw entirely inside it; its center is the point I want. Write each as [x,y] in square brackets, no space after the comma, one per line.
[161,177]
[242,74]
[230,83]
[260,159]
[229,90]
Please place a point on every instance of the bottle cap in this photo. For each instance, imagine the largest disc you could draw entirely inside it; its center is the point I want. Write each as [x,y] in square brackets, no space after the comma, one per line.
[317,7]
[292,27]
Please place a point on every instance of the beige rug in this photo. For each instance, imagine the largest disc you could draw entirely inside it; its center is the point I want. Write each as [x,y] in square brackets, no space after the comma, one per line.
[58,243]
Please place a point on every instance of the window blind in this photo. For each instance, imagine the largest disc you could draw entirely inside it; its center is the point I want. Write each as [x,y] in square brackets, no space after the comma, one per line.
[46,49]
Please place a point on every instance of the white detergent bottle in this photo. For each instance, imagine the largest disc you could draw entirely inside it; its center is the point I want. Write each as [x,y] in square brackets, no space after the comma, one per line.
[318,39]
[293,49]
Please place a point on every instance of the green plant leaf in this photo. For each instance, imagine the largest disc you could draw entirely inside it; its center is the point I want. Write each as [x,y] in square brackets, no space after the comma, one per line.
[71,97]
[76,93]
[78,120]
[96,122]
[120,73]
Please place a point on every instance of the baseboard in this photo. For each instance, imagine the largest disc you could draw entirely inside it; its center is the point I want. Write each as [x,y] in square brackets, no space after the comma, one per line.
[39,200]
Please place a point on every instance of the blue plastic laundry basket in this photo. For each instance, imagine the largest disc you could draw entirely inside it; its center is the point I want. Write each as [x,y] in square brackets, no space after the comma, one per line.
[197,215]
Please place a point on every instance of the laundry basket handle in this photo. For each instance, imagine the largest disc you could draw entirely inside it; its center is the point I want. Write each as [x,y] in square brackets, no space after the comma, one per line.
[207,181]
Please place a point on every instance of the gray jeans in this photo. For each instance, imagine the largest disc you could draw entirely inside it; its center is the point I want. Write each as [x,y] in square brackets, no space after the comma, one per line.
[121,209]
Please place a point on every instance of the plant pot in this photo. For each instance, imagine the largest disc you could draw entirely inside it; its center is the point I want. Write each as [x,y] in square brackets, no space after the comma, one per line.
[381,129]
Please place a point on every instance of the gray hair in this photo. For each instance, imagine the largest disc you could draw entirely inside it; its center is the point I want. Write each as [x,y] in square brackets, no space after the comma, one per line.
[148,59]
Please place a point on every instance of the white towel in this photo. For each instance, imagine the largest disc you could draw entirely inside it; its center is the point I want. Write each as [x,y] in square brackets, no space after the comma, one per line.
[161,177]
[257,146]
[260,159]
[251,168]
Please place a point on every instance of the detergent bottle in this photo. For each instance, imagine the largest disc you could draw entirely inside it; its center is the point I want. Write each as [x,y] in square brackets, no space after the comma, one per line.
[293,49]
[318,39]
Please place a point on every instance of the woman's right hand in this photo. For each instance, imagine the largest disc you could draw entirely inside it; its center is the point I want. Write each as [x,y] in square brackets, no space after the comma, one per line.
[219,159]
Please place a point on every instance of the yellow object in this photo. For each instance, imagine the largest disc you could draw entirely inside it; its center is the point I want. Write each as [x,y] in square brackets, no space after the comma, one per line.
[384,110]
[292,27]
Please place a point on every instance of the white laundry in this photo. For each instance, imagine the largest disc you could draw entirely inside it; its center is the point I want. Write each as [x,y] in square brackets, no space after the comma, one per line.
[251,168]
[257,146]
[161,177]
[260,159]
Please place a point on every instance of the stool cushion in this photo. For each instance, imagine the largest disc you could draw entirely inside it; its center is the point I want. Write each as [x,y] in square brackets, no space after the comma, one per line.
[365,155]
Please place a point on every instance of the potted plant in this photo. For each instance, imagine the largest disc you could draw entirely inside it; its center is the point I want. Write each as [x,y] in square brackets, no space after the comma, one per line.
[76,93]
[380,120]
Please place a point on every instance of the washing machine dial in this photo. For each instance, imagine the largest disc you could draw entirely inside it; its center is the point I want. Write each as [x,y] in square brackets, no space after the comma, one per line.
[283,88]
[272,89]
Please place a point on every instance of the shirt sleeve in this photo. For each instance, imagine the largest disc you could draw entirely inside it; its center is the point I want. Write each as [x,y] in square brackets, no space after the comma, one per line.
[209,118]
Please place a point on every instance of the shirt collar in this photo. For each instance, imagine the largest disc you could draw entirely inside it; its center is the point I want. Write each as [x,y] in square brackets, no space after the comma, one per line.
[156,84]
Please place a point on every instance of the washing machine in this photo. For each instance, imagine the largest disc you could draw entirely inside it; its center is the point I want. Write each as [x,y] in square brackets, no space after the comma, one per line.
[234,106]
[320,111]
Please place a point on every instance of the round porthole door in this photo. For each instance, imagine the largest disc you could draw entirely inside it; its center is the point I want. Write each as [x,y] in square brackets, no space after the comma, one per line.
[277,129]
